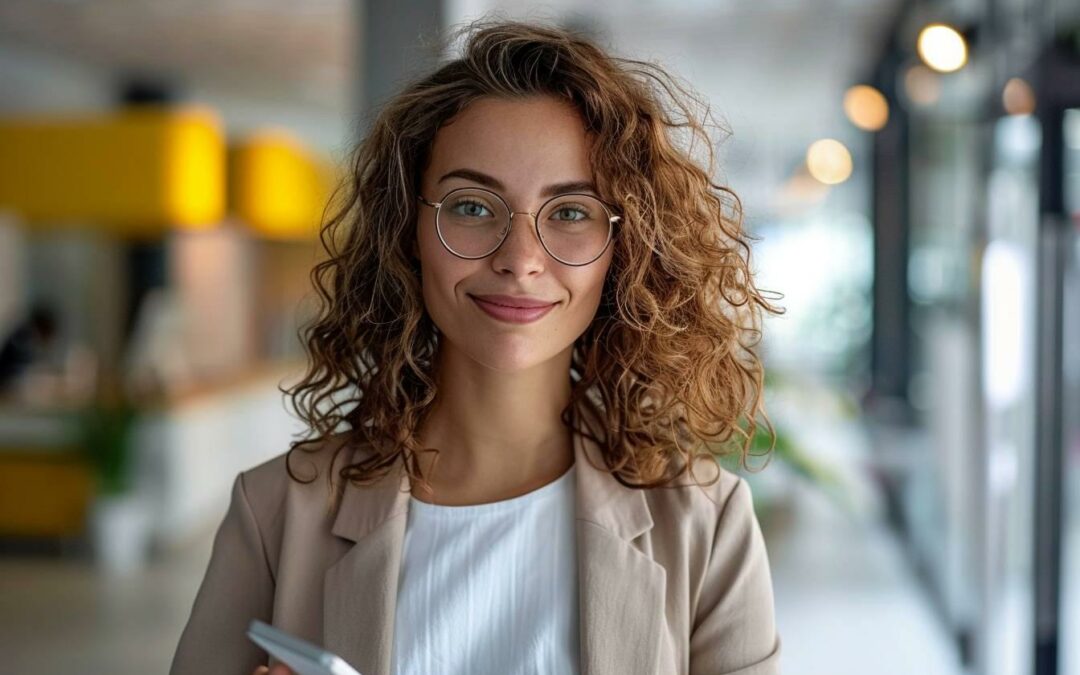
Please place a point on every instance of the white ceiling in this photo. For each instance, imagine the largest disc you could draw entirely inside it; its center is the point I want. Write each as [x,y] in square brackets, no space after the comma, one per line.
[282,47]
[259,62]
[774,71]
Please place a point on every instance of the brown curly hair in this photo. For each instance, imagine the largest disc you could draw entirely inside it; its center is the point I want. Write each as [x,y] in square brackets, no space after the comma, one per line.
[668,360]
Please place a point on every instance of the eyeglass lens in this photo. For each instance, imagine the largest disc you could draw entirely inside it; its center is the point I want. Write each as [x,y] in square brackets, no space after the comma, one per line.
[573,228]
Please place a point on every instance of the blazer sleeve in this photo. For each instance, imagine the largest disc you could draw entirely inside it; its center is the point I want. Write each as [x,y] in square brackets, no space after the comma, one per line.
[734,629]
[238,586]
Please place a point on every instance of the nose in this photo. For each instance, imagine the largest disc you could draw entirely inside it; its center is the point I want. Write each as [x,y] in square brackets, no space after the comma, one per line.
[522,246]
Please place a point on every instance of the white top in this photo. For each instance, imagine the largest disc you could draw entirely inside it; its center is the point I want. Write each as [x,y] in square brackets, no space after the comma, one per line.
[490,588]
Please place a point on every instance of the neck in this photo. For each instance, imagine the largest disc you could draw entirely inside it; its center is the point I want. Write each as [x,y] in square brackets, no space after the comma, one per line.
[499,435]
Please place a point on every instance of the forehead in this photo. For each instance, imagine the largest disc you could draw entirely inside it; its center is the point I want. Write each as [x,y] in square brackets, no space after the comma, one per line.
[523,142]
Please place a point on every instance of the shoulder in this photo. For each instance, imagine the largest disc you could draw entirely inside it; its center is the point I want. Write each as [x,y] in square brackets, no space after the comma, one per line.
[695,520]
[713,494]
[303,474]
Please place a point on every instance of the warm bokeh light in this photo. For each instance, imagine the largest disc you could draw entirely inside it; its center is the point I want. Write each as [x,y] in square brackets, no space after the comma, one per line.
[1017,97]
[922,85]
[829,161]
[799,192]
[942,47]
[866,107]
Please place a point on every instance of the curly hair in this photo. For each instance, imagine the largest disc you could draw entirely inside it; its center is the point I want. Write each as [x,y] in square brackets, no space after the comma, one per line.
[668,362]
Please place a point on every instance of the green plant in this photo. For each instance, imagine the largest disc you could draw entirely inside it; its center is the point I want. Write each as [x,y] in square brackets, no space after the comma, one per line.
[788,451]
[106,438]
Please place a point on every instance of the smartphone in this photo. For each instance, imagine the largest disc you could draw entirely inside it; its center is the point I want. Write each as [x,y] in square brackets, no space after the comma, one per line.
[298,654]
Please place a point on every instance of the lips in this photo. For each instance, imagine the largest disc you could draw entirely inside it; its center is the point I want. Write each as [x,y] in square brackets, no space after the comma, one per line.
[511,314]
[521,302]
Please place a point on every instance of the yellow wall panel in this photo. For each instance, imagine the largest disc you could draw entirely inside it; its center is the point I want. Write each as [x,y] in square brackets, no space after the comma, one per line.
[137,171]
[277,186]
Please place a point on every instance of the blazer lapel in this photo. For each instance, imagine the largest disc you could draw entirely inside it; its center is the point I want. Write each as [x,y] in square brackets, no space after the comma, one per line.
[360,590]
[621,590]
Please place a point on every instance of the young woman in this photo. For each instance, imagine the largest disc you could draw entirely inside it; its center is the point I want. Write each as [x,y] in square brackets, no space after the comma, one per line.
[535,282]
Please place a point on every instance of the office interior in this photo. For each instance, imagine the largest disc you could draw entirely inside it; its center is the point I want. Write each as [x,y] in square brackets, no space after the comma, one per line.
[910,171]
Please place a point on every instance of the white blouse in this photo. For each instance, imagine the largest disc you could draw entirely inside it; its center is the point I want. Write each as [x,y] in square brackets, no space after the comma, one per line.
[490,588]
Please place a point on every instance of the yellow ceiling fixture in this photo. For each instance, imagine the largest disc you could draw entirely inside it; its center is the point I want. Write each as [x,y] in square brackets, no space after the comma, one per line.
[137,172]
[277,186]
[942,47]
[866,107]
[829,161]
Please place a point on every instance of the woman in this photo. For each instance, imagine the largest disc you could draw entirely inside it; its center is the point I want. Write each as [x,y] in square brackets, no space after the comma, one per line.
[533,280]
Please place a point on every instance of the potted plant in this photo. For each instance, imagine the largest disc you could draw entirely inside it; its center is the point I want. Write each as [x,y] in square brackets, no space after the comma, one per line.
[119,517]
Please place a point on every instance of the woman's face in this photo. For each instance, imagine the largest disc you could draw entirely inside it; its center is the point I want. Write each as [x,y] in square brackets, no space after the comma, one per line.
[524,147]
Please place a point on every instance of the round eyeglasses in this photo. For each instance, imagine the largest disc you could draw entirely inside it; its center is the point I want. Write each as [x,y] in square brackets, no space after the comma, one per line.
[574,228]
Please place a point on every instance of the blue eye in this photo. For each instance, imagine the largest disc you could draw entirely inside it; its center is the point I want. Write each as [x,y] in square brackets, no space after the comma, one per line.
[571,209]
[471,213]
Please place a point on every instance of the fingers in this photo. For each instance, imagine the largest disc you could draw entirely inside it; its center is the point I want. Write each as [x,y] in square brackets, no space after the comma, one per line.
[281,669]
[261,670]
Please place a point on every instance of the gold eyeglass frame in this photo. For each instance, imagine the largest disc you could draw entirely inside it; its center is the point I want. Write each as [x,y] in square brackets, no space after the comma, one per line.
[612,233]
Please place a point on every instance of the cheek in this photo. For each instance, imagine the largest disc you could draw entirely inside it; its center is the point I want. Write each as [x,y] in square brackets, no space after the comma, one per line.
[599,275]
[438,280]
[587,291]
[435,262]
[440,275]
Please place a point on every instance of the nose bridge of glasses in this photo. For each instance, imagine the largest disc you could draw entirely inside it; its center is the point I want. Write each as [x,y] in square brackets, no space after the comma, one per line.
[510,224]
[522,213]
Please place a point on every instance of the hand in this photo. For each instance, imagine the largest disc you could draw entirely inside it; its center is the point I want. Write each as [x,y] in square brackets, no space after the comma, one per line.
[279,669]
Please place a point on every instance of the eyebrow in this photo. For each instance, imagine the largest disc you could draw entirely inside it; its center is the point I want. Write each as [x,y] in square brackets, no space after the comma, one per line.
[494,184]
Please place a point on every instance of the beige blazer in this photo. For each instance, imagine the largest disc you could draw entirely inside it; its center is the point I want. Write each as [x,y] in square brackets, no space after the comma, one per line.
[669,581]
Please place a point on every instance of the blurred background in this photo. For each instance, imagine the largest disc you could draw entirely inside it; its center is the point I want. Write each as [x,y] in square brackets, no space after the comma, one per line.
[911,171]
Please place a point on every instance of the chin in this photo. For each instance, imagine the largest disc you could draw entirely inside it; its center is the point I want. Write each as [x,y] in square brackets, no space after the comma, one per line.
[504,357]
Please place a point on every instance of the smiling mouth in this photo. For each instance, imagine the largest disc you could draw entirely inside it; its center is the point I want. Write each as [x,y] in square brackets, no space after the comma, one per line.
[502,302]
[508,314]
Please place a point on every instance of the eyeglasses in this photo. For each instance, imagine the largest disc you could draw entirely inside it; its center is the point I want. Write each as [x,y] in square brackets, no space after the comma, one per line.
[573,228]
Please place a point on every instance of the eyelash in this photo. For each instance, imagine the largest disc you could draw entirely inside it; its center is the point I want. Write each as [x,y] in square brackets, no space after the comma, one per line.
[573,207]
[468,202]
